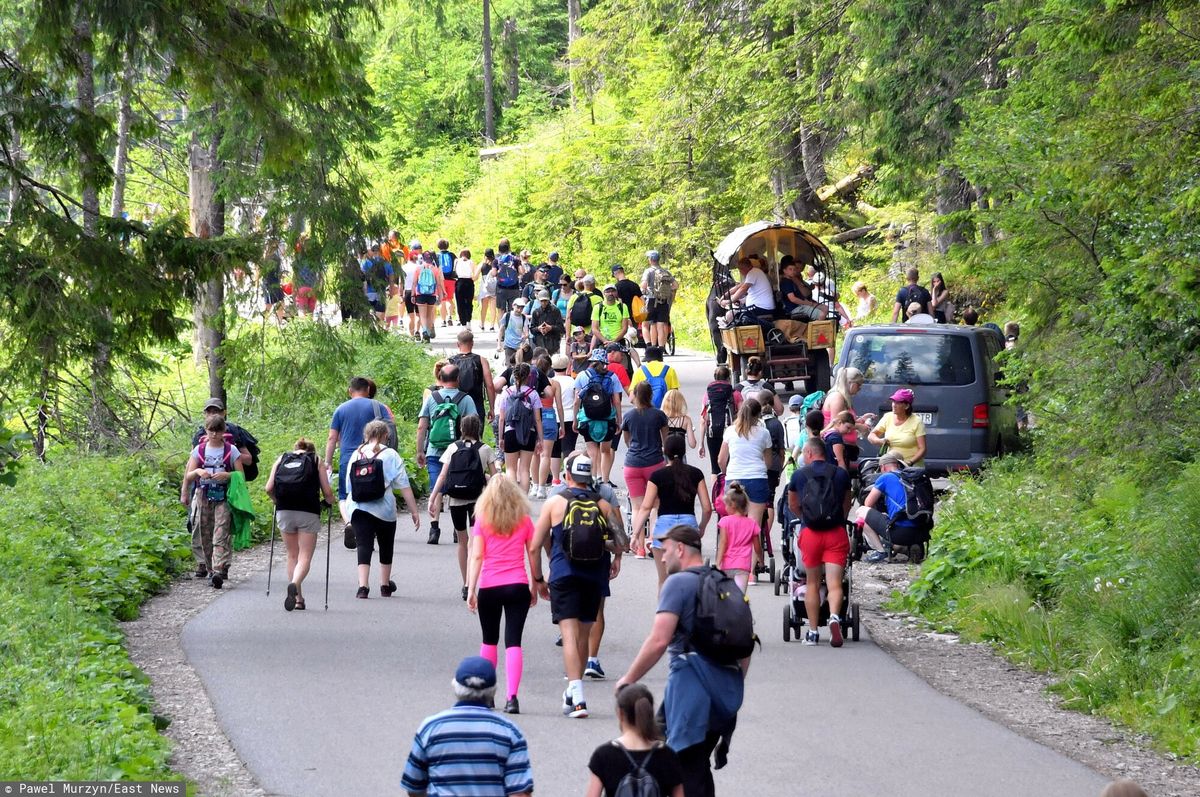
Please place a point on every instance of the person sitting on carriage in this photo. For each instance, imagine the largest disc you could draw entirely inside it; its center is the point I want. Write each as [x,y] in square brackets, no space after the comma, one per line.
[755,288]
[796,294]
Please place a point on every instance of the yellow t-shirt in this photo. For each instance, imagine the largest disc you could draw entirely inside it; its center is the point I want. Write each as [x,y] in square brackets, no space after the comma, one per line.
[395,305]
[901,437]
[656,369]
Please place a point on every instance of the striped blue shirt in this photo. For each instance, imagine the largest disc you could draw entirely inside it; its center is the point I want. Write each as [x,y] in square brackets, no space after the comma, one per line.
[470,751]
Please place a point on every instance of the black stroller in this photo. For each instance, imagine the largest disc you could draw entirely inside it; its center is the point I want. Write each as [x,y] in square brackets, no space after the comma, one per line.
[797,586]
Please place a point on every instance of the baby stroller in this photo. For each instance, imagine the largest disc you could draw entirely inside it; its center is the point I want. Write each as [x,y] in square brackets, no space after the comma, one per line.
[789,526]
[794,612]
[768,565]
[908,540]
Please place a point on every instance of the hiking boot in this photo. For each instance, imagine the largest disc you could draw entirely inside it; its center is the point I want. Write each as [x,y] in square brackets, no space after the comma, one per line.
[835,631]
[811,637]
[594,670]
[216,581]
[435,534]
[363,592]
[512,706]
[201,572]
[387,590]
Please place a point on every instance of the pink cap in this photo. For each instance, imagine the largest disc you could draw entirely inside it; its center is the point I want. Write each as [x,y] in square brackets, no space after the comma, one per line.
[903,394]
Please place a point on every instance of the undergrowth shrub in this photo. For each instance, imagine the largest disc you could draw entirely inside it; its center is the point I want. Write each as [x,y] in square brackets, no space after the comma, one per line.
[1096,581]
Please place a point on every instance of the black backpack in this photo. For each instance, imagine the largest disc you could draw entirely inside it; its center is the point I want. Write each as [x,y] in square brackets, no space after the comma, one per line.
[377,409]
[723,628]
[581,311]
[820,505]
[366,479]
[297,484]
[584,528]
[244,442]
[916,293]
[638,782]
[470,372]
[595,400]
[519,415]
[778,441]
[720,406]
[918,495]
[464,475]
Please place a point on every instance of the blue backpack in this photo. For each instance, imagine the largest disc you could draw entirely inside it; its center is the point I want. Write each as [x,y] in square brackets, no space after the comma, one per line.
[426,282]
[506,274]
[447,262]
[658,386]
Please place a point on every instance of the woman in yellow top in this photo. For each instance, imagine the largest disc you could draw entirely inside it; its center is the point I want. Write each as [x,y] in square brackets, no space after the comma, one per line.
[902,431]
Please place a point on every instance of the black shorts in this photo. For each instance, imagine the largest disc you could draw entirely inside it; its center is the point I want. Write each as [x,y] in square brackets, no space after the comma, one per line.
[575,598]
[273,295]
[377,305]
[462,517]
[658,312]
[773,482]
[427,300]
[409,307]
[512,445]
[587,430]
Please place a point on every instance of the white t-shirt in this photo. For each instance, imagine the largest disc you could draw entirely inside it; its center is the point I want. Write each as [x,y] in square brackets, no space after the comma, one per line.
[464,269]
[746,453]
[213,459]
[567,386]
[485,458]
[395,477]
[760,295]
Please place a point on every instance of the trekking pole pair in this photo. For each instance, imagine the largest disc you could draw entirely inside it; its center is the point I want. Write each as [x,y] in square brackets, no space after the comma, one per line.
[328,546]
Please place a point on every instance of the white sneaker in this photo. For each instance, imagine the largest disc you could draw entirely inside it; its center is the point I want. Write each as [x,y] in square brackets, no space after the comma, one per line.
[533,491]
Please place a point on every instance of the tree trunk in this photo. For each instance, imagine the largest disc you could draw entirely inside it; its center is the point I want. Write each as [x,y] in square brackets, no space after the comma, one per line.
[121,160]
[573,14]
[14,182]
[489,98]
[85,101]
[207,216]
[814,143]
[512,61]
[953,195]
[847,185]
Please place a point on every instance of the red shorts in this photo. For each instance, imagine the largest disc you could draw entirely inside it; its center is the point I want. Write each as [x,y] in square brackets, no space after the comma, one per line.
[450,286]
[306,299]
[824,547]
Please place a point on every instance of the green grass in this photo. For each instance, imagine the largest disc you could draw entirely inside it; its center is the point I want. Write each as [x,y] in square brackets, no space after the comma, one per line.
[1095,582]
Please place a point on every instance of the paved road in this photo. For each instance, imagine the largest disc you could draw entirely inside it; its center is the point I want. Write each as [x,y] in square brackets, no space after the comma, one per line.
[325,703]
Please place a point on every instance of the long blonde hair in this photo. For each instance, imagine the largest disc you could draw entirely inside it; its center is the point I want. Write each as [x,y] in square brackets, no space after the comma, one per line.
[502,507]
[674,404]
[747,417]
[845,378]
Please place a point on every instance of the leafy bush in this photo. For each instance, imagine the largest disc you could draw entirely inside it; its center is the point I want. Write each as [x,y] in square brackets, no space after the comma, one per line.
[1095,581]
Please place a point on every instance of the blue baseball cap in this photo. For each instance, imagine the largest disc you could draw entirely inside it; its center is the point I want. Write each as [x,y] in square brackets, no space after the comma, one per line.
[599,356]
[652,255]
[475,672]
[554,257]
[617,267]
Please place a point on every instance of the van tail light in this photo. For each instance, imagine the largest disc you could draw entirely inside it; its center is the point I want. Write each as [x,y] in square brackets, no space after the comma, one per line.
[979,418]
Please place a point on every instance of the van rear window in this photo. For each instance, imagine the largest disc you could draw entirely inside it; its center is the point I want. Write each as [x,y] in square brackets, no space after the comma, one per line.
[912,359]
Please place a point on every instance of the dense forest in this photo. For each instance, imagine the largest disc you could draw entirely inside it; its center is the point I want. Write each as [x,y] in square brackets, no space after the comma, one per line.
[1043,155]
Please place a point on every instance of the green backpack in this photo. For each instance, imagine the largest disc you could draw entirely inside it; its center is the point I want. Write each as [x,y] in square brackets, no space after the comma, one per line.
[443,420]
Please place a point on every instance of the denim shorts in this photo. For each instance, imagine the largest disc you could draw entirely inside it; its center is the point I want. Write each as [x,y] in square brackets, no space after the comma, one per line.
[667,522]
[549,424]
[757,490]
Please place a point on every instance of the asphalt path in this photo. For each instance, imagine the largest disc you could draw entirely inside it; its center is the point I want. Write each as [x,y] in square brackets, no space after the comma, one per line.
[326,702]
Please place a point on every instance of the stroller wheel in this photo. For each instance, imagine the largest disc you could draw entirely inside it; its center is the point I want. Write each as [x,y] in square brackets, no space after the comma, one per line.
[772,567]
[778,584]
[854,618]
[787,623]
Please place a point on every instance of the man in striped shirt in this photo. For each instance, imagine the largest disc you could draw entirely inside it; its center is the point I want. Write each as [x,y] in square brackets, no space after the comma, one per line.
[469,750]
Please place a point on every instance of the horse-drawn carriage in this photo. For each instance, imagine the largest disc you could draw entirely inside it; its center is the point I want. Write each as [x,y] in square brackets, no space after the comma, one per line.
[796,354]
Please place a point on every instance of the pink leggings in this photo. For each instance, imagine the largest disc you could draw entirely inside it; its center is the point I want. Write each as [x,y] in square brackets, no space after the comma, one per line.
[636,478]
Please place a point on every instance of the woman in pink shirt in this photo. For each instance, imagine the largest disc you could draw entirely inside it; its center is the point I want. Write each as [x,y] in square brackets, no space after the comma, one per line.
[497,580]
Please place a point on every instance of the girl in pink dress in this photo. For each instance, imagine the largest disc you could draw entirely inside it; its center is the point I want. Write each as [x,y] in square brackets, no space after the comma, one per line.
[739,544]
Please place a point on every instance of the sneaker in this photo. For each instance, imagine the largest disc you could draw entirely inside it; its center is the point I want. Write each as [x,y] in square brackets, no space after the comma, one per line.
[558,642]
[533,491]
[464,592]
[387,590]
[594,670]
[435,534]
[363,592]
[578,711]
[811,637]
[216,581]
[512,706]
[875,557]
[289,603]
[641,552]
[835,631]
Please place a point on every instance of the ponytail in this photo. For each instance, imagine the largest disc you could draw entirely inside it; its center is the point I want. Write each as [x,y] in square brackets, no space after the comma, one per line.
[636,705]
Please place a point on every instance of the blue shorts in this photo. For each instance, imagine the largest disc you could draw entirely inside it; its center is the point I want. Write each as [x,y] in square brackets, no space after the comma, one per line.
[549,424]
[433,464]
[757,490]
[667,522]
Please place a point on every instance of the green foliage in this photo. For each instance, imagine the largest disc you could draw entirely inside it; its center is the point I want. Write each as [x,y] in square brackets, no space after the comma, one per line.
[11,444]
[81,556]
[1090,580]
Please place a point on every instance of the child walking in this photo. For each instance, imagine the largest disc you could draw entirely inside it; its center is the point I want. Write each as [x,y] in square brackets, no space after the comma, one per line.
[209,468]
[639,746]
[739,546]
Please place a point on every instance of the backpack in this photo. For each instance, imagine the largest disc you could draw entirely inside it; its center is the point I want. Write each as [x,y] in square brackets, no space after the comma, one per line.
[637,309]
[506,275]
[637,782]
[820,506]
[366,479]
[595,400]
[443,419]
[244,442]
[658,385]
[584,528]
[469,371]
[778,440]
[464,475]
[426,282]
[720,406]
[723,628]
[446,261]
[916,293]
[297,482]
[213,490]
[519,415]
[662,285]
[918,496]
[393,438]
[581,311]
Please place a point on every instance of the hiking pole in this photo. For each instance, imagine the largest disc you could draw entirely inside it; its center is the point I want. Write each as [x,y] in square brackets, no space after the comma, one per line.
[328,546]
[271,561]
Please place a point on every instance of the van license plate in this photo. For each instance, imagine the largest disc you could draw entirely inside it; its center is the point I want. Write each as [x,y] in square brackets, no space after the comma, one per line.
[927,418]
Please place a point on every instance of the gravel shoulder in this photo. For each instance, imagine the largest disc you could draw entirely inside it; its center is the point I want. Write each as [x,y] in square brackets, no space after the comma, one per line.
[975,675]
